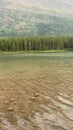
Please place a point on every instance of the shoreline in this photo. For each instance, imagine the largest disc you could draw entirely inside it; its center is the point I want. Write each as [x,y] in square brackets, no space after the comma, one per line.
[34,52]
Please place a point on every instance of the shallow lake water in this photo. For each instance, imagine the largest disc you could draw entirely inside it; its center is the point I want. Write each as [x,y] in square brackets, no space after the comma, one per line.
[36,91]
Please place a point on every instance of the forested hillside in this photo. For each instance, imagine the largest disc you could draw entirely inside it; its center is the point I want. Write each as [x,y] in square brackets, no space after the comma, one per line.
[36,17]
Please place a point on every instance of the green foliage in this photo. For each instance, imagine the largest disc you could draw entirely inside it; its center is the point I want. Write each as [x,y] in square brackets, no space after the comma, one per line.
[36,43]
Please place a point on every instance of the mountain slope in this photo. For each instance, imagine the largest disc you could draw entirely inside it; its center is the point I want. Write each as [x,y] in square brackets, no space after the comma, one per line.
[36,17]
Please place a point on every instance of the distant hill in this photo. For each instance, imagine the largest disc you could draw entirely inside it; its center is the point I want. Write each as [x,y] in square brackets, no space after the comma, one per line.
[36,17]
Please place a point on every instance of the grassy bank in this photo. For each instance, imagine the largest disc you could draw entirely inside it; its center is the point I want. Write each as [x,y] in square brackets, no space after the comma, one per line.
[32,52]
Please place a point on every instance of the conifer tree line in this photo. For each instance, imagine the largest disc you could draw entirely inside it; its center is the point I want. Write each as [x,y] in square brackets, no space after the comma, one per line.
[36,43]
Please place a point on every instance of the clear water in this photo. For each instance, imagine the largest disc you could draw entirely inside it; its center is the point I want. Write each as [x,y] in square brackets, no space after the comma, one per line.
[36,91]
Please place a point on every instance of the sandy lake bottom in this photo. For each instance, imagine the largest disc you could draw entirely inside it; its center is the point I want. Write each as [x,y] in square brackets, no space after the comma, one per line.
[36,91]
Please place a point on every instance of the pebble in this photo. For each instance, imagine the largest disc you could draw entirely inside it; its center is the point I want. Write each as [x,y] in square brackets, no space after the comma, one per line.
[12,99]
[36,95]
[32,98]
[10,109]
[6,102]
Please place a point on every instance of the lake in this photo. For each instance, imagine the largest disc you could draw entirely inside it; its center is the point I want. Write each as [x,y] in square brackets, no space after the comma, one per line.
[36,91]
